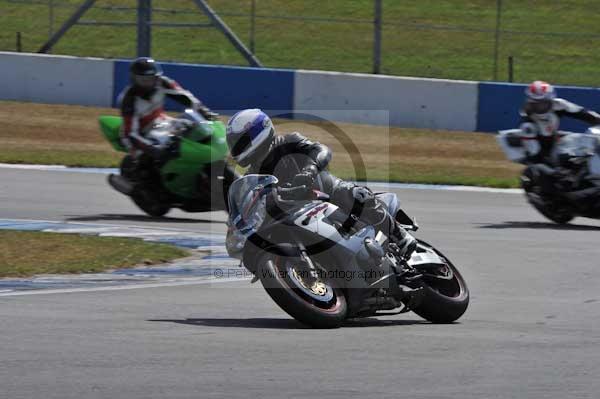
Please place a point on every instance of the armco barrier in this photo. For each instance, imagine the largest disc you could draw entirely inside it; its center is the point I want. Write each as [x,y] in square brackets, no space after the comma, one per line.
[225,88]
[411,102]
[56,79]
[499,104]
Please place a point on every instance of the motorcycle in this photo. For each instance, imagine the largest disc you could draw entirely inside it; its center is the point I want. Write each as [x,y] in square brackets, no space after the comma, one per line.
[574,164]
[193,174]
[323,266]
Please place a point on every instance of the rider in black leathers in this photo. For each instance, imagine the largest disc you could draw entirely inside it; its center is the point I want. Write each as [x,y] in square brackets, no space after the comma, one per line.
[297,161]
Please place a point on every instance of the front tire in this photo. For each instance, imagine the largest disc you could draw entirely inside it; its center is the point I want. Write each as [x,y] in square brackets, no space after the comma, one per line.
[144,199]
[150,205]
[548,208]
[278,277]
[445,293]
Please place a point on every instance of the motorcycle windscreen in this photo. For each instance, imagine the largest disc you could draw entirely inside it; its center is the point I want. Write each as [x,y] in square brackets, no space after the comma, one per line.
[247,202]
[577,145]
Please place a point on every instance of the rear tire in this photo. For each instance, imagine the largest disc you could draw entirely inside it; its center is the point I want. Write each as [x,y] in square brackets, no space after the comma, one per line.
[274,276]
[216,181]
[444,301]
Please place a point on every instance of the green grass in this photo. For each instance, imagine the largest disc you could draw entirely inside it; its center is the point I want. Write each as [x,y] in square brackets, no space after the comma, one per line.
[463,52]
[69,135]
[25,253]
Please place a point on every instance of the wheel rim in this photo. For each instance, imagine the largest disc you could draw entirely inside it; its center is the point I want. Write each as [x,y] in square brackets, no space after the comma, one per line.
[446,280]
[311,286]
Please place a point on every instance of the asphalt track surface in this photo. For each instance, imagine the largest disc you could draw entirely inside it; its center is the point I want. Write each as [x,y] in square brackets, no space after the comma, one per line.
[532,330]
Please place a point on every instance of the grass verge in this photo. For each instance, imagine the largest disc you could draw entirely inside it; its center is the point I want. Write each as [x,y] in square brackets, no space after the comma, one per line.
[26,253]
[452,39]
[69,135]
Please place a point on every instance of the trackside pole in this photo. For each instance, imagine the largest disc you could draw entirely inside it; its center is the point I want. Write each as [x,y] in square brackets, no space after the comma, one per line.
[252,60]
[66,26]
[377,38]
[144,28]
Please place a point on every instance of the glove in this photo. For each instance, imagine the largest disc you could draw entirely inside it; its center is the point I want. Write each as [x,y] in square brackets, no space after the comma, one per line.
[211,116]
[206,113]
[304,178]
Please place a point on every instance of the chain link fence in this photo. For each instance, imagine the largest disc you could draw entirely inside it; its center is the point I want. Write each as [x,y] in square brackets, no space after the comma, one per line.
[503,40]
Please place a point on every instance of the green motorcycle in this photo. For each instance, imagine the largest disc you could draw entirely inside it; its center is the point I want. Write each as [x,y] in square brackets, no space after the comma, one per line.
[192,174]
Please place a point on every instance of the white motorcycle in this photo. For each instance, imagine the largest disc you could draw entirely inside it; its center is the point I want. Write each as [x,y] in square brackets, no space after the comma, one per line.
[322,266]
[573,165]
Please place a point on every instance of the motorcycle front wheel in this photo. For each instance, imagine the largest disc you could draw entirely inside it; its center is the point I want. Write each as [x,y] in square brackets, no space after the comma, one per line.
[548,208]
[142,198]
[445,293]
[150,205]
[312,300]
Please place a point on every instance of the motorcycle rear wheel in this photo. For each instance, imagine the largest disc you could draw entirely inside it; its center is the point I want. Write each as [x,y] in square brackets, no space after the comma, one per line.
[318,305]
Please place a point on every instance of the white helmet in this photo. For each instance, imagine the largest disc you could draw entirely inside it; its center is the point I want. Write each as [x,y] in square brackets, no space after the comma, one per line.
[539,97]
[249,132]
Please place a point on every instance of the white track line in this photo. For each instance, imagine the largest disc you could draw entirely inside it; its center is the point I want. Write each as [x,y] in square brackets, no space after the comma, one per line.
[190,281]
[441,187]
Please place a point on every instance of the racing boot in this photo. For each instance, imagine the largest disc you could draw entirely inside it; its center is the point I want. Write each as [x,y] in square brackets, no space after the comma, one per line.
[405,244]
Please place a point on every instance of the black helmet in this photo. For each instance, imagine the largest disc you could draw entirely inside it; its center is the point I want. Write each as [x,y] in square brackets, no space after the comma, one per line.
[144,72]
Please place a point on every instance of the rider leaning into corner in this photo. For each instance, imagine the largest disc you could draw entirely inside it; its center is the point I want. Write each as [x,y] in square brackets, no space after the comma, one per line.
[142,106]
[541,115]
[297,161]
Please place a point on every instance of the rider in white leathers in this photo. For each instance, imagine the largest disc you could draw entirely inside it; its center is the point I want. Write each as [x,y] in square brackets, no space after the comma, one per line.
[541,115]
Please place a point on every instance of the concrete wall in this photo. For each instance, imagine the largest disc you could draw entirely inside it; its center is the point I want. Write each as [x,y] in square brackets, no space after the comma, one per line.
[56,79]
[346,97]
[411,102]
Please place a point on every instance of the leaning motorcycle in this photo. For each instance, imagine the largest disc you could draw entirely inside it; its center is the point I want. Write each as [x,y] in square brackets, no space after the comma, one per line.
[193,175]
[573,165]
[323,266]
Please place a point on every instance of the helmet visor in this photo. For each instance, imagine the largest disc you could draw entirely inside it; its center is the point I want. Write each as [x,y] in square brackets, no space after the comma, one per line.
[238,143]
[145,81]
[540,107]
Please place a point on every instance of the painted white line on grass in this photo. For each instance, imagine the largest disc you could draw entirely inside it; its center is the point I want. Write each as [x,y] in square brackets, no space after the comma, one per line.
[32,167]
[209,253]
[187,281]
[441,187]
[87,225]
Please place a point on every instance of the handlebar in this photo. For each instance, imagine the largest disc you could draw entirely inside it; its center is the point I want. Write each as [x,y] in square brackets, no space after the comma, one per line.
[292,194]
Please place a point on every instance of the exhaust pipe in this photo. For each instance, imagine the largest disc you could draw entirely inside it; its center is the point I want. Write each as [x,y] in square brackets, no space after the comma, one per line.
[120,184]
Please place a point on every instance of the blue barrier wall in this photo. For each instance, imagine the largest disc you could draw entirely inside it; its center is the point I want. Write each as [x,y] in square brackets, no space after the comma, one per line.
[224,88]
[409,102]
[499,103]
